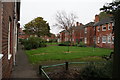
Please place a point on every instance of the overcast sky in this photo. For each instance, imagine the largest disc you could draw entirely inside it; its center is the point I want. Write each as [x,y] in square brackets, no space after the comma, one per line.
[84,9]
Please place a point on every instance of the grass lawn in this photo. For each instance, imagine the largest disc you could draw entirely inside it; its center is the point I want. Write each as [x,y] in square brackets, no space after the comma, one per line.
[60,53]
[52,43]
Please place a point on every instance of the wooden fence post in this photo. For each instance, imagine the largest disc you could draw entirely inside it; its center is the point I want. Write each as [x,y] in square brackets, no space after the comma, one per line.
[40,71]
[66,65]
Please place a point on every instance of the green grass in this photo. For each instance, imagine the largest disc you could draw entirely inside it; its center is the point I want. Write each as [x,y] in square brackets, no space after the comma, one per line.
[52,43]
[59,53]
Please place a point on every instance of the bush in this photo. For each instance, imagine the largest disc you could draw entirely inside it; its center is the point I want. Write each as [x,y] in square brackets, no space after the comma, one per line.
[93,72]
[52,40]
[33,43]
[81,44]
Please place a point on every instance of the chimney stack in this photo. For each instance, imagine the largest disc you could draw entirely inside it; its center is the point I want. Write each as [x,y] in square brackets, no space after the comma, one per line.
[77,23]
[97,19]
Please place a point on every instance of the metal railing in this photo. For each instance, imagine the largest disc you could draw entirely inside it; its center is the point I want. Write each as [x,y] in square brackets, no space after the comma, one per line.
[41,68]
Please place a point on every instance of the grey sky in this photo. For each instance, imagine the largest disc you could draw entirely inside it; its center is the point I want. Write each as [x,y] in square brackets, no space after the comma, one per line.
[84,9]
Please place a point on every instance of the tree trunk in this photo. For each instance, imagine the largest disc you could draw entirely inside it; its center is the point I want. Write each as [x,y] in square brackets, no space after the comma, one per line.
[116,60]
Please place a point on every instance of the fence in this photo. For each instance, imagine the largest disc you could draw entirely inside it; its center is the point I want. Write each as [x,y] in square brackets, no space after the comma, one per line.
[41,68]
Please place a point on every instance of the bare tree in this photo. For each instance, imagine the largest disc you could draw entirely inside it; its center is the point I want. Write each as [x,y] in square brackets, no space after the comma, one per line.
[66,21]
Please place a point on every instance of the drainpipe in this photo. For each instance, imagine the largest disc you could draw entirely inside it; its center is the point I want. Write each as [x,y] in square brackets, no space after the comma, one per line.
[15,36]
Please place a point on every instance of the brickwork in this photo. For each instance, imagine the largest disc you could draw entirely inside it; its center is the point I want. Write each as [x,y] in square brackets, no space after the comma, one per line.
[97,33]
[7,36]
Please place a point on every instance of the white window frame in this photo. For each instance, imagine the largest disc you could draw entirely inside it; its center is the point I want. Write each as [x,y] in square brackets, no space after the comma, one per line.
[73,39]
[109,26]
[104,39]
[109,39]
[103,26]
[9,55]
[112,39]
[85,30]
[98,39]
[113,24]
[85,40]
[98,28]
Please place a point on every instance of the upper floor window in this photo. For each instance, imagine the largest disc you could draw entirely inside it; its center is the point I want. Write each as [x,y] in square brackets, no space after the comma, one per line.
[85,30]
[112,23]
[104,39]
[103,28]
[109,26]
[98,29]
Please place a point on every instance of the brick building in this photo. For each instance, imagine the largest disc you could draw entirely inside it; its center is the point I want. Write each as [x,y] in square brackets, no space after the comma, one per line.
[48,38]
[97,33]
[9,17]
[103,32]
[22,34]
[80,33]
[89,34]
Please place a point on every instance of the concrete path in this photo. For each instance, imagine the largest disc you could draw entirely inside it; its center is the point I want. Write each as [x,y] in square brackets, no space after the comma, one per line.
[23,68]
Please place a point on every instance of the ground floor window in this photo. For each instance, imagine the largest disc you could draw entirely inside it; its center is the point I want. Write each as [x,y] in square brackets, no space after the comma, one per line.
[98,39]
[113,39]
[104,39]
[109,39]
[85,40]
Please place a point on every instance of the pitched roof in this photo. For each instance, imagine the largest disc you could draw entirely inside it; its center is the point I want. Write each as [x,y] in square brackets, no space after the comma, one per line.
[104,21]
[90,24]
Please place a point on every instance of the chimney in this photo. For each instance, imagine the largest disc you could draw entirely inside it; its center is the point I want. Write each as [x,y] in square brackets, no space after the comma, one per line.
[97,19]
[77,23]
[80,24]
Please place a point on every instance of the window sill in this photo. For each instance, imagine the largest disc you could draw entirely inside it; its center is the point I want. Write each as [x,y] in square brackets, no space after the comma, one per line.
[104,42]
[1,55]
[9,56]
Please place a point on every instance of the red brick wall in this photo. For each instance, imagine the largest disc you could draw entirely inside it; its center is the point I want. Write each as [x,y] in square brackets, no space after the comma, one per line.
[104,33]
[90,35]
[62,36]
[8,9]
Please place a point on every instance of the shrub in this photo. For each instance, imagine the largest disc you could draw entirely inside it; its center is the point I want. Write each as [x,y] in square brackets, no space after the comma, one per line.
[81,44]
[52,40]
[33,43]
[93,72]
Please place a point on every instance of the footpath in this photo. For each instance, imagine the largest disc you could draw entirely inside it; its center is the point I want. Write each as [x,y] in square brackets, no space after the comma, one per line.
[23,69]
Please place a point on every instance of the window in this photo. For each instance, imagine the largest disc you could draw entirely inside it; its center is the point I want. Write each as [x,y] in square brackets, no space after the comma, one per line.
[103,28]
[109,26]
[104,39]
[85,40]
[73,39]
[73,32]
[109,39]
[113,39]
[98,39]
[98,29]
[9,25]
[112,25]
[85,30]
